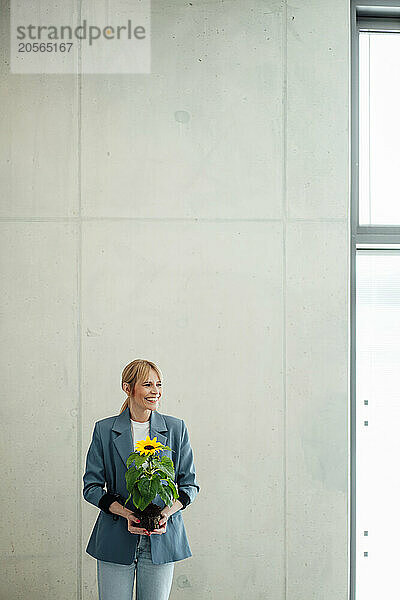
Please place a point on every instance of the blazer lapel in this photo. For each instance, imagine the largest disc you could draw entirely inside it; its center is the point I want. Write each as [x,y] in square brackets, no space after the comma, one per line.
[157,427]
[122,425]
[123,442]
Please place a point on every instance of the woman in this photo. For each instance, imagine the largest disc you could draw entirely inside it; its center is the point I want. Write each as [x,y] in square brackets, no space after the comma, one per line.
[123,548]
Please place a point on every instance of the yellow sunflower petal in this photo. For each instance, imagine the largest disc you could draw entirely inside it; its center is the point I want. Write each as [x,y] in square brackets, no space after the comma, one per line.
[148,446]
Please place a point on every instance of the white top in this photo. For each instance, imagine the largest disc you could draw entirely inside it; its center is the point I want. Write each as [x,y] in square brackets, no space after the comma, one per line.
[139,431]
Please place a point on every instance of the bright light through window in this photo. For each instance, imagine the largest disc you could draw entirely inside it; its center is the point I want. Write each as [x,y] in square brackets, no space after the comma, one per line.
[379,135]
[377,424]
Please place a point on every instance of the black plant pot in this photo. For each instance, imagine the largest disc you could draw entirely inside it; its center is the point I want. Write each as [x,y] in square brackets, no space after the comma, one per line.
[149,517]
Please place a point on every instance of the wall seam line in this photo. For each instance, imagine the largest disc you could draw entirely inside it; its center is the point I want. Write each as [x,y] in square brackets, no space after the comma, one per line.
[167,219]
[284,267]
[79,581]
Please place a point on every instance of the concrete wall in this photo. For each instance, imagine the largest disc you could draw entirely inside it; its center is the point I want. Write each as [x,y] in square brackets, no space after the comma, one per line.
[198,217]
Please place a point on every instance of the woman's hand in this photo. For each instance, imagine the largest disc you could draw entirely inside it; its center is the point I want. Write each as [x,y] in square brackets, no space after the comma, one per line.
[166,512]
[117,509]
[162,524]
[132,520]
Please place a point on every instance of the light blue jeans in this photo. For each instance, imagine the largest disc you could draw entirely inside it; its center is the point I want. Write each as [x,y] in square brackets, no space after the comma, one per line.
[153,582]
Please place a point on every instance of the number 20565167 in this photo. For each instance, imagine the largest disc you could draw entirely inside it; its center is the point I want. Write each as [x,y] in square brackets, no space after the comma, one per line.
[45,47]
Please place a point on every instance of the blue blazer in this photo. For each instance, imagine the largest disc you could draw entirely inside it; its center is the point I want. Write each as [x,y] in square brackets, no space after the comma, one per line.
[106,459]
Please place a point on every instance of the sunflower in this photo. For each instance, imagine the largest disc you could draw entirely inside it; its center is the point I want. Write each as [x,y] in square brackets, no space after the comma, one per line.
[148,446]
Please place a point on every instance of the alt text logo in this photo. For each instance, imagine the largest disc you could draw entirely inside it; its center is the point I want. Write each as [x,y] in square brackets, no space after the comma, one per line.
[106,37]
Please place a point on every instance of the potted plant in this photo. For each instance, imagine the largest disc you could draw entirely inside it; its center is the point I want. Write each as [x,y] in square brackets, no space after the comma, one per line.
[148,475]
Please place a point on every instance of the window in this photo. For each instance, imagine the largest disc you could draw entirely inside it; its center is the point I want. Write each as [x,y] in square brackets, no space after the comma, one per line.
[379,142]
[377,423]
[375,299]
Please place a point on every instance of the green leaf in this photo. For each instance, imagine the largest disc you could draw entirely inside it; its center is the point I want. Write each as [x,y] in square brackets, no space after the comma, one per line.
[144,487]
[148,488]
[136,458]
[143,502]
[131,476]
[165,460]
[168,448]
[165,472]
[167,466]
[165,494]
[136,497]
[163,490]
[157,482]
[173,488]
[127,500]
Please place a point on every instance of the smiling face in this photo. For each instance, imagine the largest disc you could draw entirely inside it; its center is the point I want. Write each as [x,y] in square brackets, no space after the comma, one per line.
[146,395]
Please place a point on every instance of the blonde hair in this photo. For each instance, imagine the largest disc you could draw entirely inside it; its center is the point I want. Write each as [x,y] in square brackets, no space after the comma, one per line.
[136,371]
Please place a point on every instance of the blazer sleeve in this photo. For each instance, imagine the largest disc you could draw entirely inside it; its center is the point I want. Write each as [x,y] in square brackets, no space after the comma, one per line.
[94,478]
[188,487]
